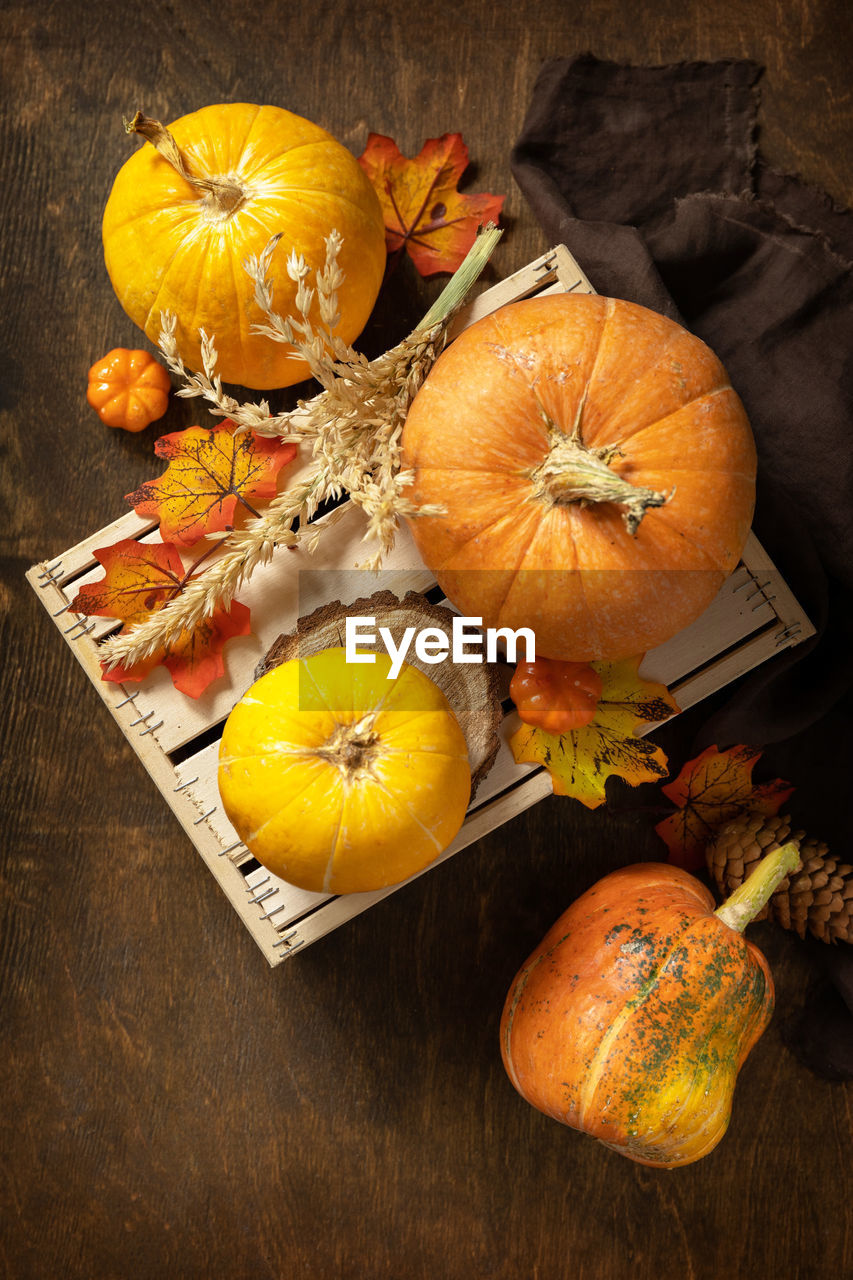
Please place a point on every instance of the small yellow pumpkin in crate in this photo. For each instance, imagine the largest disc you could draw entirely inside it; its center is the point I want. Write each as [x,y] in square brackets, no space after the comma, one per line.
[340,779]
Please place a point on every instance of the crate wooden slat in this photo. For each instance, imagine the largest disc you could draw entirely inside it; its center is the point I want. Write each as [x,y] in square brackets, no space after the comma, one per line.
[176,737]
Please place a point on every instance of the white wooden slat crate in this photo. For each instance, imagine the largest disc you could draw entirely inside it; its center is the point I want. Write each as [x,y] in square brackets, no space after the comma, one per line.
[754,616]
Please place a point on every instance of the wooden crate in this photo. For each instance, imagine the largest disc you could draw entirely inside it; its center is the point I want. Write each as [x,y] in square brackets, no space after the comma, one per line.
[177,738]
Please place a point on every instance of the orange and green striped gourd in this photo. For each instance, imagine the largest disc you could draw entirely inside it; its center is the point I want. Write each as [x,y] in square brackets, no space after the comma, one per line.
[633,1016]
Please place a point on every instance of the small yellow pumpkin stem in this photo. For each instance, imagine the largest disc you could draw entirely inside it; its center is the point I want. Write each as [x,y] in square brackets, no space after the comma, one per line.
[228,195]
[756,891]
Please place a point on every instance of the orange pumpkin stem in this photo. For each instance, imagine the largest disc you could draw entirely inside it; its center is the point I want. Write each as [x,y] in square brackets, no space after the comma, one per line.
[756,891]
[227,195]
[573,473]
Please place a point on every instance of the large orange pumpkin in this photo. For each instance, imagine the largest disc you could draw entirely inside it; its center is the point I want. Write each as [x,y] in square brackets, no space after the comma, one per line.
[596,470]
[173,245]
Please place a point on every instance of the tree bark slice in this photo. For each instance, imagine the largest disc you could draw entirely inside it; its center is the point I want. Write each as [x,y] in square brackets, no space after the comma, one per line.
[472,689]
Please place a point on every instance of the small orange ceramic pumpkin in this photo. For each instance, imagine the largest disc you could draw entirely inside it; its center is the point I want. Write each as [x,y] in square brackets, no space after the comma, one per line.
[128,389]
[555,696]
[596,471]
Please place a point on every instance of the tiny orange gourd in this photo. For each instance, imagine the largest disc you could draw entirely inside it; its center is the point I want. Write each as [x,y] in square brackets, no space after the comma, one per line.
[128,389]
[595,470]
[632,1017]
[212,189]
[555,696]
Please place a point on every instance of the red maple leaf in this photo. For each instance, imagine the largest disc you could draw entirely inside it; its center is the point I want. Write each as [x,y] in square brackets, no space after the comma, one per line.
[195,659]
[422,210]
[211,471]
[140,578]
[712,789]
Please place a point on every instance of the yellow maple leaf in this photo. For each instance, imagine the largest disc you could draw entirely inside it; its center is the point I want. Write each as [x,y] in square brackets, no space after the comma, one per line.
[580,762]
[212,471]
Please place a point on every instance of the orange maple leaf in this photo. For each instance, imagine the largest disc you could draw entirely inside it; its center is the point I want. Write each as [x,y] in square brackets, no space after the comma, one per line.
[139,579]
[211,470]
[712,789]
[423,211]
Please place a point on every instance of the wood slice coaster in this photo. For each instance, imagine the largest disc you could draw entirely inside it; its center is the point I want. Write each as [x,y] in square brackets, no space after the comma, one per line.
[472,689]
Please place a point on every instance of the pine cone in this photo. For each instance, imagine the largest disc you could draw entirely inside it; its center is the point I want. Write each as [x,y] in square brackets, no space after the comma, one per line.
[818,897]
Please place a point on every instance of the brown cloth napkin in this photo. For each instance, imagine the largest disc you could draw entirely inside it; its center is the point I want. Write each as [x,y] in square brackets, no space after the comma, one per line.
[652,178]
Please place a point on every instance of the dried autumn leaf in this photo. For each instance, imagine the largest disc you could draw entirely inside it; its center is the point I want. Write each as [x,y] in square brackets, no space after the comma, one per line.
[211,470]
[711,789]
[141,577]
[580,762]
[195,659]
[423,211]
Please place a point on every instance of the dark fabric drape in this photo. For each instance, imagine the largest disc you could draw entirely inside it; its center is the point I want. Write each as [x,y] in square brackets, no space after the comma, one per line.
[652,178]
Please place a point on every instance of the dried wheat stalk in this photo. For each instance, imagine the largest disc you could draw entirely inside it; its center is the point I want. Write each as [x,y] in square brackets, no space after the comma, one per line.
[354,426]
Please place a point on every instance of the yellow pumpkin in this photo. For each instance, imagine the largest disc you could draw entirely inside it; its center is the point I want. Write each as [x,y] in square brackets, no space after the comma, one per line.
[339,779]
[171,244]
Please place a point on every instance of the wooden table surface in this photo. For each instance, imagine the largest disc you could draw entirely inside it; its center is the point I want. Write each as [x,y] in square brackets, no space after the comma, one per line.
[171,1106]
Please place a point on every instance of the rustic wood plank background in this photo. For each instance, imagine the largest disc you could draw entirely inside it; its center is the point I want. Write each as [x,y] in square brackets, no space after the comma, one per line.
[172,1108]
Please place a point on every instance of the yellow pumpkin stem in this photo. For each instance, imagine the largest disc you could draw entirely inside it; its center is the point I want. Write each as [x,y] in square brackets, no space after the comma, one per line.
[352,748]
[227,195]
[573,473]
[758,888]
